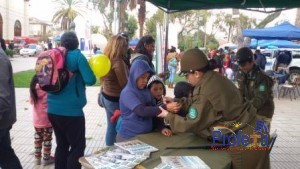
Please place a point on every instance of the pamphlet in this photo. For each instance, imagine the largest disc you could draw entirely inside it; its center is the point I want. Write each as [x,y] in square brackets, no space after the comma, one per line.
[137,147]
[114,158]
[121,156]
[182,162]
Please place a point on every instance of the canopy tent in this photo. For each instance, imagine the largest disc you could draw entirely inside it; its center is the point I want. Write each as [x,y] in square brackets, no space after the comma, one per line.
[230,45]
[170,6]
[57,38]
[284,31]
[273,43]
[134,42]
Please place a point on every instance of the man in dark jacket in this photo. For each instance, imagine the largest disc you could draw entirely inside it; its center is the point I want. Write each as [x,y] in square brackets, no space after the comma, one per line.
[260,59]
[8,158]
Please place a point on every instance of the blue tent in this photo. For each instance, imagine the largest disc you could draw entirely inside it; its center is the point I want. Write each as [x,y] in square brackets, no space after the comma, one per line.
[273,44]
[134,42]
[57,38]
[284,31]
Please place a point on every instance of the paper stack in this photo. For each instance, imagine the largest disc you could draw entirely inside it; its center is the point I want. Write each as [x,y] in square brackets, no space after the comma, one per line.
[121,156]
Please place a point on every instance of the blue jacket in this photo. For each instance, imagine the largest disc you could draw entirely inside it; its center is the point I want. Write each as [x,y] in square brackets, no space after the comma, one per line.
[134,123]
[71,100]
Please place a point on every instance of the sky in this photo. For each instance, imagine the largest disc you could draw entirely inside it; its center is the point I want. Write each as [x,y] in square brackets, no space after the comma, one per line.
[44,10]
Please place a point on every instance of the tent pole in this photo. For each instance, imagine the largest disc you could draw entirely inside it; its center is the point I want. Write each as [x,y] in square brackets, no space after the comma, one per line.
[166,40]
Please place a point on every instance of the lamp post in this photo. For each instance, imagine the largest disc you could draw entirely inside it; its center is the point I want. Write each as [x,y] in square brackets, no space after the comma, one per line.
[90,5]
[184,34]
[199,19]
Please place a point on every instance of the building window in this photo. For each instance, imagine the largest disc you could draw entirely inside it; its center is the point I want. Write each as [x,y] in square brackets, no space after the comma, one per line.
[17,28]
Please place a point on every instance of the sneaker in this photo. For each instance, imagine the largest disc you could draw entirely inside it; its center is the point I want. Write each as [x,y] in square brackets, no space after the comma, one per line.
[37,161]
[48,162]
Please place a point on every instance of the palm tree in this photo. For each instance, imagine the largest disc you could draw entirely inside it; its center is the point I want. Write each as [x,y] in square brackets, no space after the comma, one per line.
[68,11]
[142,16]
[141,13]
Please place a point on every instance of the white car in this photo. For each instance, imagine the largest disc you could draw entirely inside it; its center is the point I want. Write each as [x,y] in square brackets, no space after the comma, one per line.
[31,50]
[294,65]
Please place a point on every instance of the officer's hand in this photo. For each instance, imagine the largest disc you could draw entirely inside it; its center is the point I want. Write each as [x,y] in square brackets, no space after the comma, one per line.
[173,107]
[163,113]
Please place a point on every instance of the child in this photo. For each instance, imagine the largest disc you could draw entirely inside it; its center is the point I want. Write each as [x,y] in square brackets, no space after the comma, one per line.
[43,128]
[182,91]
[136,107]
[158,90]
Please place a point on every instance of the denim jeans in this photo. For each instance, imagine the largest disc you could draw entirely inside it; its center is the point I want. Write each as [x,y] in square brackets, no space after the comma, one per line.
[110,107]
[8,158]
[172,73]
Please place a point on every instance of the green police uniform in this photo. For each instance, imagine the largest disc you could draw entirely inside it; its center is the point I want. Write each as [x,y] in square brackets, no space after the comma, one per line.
[216,102]
[256,87]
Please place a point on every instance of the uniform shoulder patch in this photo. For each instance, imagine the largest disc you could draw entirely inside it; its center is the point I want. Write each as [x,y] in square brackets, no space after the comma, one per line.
[262,87]
[192,114]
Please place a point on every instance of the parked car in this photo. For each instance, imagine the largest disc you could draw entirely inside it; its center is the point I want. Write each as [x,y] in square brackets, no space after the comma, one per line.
[293,67]
[31,50]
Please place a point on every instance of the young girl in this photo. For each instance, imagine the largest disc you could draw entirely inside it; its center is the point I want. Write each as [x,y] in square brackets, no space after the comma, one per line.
[42,126]
[136,107]
[158,90]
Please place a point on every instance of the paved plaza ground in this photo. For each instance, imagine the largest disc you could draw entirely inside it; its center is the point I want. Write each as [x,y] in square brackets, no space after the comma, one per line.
[285,153]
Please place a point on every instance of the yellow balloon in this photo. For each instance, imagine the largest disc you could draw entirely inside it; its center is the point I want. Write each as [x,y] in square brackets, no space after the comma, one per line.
[100,65]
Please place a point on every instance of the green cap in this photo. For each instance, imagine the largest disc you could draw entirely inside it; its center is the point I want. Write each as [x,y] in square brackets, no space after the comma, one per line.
[192,60]
[244,55]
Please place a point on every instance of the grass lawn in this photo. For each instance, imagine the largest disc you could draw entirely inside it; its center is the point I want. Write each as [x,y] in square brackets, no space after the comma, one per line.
[22,79]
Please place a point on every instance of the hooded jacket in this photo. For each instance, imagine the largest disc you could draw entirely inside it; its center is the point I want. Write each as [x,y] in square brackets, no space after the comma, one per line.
[7,93]
[136,107]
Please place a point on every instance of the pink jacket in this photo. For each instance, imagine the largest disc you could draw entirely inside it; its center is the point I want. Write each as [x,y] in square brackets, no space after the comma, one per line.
[40,115]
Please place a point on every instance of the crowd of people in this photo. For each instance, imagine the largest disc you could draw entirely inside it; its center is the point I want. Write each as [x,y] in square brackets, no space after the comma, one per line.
[134,98]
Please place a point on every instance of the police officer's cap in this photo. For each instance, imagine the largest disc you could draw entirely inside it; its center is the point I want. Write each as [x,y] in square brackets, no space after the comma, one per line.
[192,60]
[244,55]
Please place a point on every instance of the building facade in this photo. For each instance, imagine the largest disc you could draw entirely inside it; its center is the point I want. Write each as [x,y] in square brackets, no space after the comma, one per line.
[14,19]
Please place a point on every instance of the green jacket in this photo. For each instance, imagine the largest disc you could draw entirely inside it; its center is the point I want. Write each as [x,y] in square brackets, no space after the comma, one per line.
[256,87]
[215,102]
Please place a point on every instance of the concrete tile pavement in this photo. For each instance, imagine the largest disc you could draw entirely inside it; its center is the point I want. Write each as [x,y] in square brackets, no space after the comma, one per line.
[285,153]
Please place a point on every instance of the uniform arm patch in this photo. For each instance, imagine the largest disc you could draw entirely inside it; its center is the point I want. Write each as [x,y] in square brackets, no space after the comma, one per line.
[262,87]
[192,114]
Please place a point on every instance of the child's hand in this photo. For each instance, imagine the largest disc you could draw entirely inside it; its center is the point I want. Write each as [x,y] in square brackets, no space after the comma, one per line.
[163,113]
[173,107]
[166,132]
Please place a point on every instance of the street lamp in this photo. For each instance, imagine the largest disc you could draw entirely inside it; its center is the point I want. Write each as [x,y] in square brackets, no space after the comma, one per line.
[199,19]
[184,34]
[91,4]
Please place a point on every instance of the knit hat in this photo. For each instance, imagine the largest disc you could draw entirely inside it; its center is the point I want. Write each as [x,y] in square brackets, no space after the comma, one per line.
[244,55]
[156,79]
[182,89]
[192,60]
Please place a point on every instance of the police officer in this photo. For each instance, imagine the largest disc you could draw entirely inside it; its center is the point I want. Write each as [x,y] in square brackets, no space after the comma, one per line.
[254,85]
[214,102]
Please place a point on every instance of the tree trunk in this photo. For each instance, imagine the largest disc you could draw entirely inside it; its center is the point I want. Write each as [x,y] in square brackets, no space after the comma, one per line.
[123,7]
[142,16]
[238,28]
[297,22]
